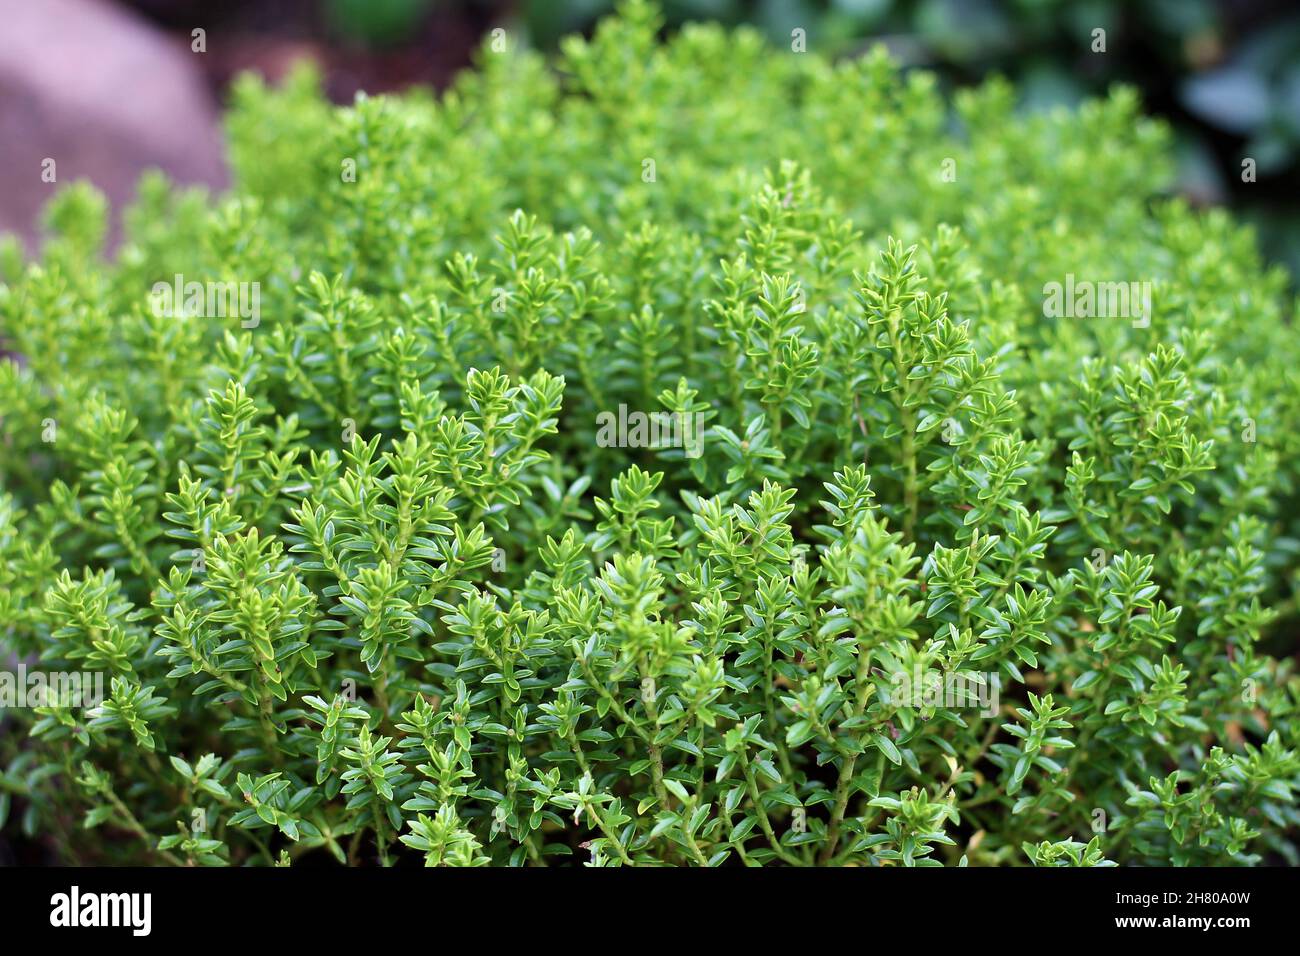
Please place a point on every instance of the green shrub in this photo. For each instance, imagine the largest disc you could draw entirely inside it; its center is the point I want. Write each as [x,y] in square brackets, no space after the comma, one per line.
[385,568]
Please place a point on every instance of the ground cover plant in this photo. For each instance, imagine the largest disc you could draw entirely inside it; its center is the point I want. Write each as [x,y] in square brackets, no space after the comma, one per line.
[687,451]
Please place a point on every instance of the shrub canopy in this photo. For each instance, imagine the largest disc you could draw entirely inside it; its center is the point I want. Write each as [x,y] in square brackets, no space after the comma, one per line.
[366,580]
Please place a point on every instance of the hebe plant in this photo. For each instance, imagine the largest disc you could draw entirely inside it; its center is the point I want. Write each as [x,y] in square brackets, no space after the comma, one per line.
[364,584]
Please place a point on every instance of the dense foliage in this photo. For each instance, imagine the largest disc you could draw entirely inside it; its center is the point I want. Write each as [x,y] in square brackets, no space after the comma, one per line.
[366,582]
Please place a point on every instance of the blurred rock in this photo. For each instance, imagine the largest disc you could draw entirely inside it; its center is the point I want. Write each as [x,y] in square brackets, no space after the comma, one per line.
[103,94]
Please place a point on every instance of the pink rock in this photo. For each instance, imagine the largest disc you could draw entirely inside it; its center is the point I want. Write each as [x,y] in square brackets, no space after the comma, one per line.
[103,94]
